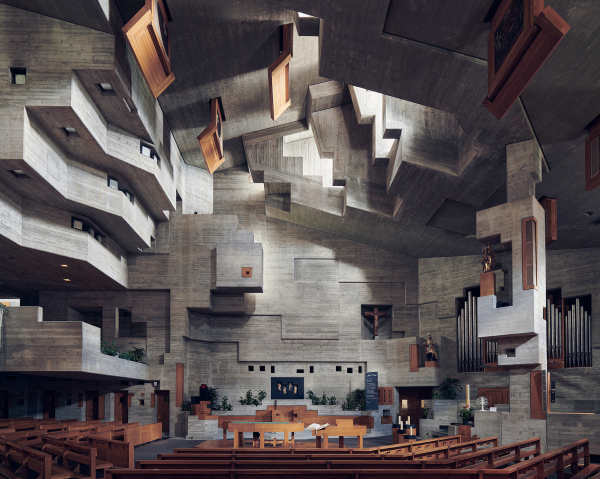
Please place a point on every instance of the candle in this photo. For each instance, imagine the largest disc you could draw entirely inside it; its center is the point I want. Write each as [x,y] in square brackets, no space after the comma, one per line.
[401,424]
[408,420]
[468,396]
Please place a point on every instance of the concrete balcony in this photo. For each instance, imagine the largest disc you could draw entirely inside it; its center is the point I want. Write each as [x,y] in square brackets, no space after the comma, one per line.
[58,348]
[36,237]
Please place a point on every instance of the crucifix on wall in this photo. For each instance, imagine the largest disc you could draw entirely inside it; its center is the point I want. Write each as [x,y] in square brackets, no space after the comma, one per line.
[376,313]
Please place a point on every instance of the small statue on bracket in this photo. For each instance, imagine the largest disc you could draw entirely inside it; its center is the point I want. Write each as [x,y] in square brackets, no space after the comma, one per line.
[430,349]
[488,259]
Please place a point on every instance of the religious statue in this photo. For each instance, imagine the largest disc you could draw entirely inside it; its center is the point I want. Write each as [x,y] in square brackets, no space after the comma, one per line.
[488,259]
[430,349]
[375,315]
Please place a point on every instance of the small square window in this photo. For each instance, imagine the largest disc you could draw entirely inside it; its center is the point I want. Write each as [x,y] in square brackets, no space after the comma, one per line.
[272,369]
[359,369]
[19,174]
[69,402]
[70,132]
[113,183]
[145,150]
[312,369]
[299,371]
[106,89]
[262,368]
[349,370]
[338,369]
[18,76]
[250,368]
[77,224]
[511,353]
[141,401]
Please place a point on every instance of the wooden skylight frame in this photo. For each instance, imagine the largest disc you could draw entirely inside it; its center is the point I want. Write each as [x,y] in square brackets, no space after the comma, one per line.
[211,138]
[592,157]
[147,34]
[279,75]
[538,31]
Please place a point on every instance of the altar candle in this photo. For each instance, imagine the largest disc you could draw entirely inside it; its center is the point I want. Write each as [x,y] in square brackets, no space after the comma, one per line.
[468,396]
[408,420]
[401,425]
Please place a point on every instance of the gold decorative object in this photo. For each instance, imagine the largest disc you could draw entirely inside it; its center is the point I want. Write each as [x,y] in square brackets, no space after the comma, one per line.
[488,259]
[430,349]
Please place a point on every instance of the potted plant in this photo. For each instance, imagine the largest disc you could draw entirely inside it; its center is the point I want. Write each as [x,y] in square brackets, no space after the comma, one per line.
[425,412]
[466,413]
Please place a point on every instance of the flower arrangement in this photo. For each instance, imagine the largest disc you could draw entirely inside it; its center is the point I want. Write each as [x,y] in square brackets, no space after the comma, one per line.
[466,412]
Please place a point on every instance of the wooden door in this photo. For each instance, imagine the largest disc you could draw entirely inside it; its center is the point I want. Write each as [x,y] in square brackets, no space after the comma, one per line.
[49,406]
[162,409]
[4,403]
[410,405]
[121,409]
[494,395]
[91,405]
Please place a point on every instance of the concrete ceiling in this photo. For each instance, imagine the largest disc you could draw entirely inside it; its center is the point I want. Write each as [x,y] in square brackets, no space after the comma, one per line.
[430,52]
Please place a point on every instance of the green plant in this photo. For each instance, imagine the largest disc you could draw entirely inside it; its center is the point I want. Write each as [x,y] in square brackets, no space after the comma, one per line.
[186,406]
[424,411]
[214,398]
[357,399]
[332,400]
[324,398]
[466,412]
[447,390]
[251,401]
[3,308]
[109,349]
[225,406]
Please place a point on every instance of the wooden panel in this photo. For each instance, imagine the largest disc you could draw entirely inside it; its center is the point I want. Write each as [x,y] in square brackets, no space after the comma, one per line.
[152,400]
[529,241]
[592,158]
[495,395]
[211,139]
[414,358]
[537,408]
[487,283]
[385,396]
[539,42]
[279,85]
[80,400]
[549,205]
[147,49]
[101,407]
[179,378]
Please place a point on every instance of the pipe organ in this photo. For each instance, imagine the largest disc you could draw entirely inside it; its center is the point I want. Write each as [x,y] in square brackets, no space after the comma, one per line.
[469,346]
[568,334]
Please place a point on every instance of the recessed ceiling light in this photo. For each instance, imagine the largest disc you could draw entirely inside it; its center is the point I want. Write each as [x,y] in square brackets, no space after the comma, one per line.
[589,213]
[65,265]
[66,279]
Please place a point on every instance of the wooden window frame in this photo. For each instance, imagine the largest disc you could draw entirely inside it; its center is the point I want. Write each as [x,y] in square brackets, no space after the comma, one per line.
[549,205]
[591,183]
[279,72]
[209,140]
[140,30]
[524,222]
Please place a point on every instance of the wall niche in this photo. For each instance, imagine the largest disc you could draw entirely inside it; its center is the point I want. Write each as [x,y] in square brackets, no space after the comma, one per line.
[384,321]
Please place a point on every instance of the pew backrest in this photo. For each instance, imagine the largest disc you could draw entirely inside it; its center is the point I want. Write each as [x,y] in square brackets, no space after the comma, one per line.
[118,453]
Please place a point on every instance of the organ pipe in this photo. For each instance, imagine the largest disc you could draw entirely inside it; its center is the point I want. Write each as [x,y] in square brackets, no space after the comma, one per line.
[569,334]
[470,348]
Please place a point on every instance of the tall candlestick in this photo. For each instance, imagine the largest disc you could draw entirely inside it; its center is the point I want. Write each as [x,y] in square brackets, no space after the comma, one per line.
[468,396]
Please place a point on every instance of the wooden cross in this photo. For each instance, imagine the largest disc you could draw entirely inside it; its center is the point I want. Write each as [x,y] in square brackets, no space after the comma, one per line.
[375,315]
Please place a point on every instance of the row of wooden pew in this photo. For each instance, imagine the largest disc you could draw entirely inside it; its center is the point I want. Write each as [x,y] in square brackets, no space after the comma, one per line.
[56,450]
[437,458]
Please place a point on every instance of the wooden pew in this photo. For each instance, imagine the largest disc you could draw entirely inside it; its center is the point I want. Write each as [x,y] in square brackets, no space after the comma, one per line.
[119,453]
[29,459]
[250,451]
[279,457]
[416,446]
[291,474]
[69,452]
[246,464]
[143,434]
